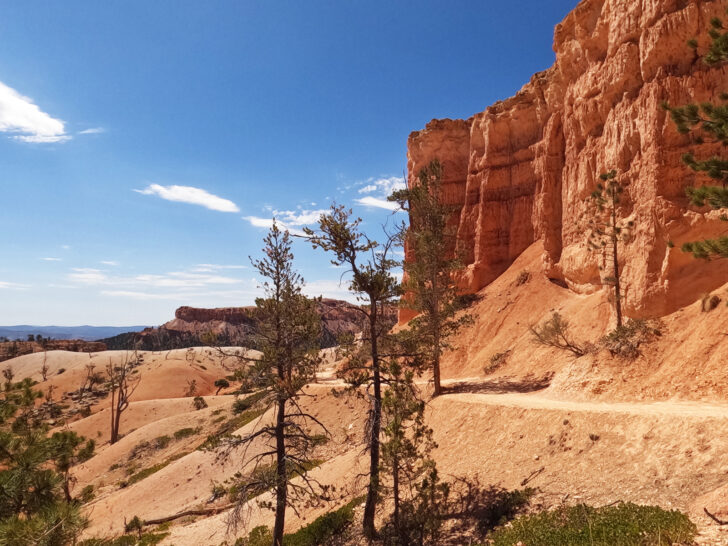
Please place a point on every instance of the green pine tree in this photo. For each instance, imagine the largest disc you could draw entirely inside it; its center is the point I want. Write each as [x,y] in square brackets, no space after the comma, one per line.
[429,281]
[36,506]
[289,328]
[374,283]
[707,122]
[416,491]
[607,230]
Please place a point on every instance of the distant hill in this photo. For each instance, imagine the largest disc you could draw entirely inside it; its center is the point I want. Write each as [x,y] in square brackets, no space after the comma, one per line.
[86,333]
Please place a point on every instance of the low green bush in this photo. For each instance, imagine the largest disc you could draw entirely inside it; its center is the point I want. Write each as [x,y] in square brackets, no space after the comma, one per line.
[185,433]
[146,539]
[624,524]
[243,404]
[323,528]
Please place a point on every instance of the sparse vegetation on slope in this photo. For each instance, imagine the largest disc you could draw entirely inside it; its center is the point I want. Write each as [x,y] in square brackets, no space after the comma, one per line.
[621,525]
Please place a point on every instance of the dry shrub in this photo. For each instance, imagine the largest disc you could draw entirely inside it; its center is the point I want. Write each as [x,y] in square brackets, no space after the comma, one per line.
[523,277]
[625,340]
[709,302]
[555,333]
[496,361]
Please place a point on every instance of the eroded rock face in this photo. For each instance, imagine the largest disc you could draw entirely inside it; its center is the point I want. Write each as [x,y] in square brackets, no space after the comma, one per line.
[523,169]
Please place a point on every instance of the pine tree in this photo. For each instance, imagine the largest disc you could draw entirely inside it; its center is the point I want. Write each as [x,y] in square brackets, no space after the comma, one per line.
[407,442]
[430,275]
[288,331]
[35,502]
[373,282]
[608,230]
[710,123]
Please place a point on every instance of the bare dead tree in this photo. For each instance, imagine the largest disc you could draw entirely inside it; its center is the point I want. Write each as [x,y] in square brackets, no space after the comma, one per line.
[123,381]
[44,367]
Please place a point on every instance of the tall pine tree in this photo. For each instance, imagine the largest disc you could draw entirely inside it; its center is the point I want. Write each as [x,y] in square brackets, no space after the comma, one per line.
[430,274]
[376,287]
[289,328]
[608,230]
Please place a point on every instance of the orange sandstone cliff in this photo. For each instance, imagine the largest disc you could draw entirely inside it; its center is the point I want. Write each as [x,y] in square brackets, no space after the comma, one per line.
[523,169]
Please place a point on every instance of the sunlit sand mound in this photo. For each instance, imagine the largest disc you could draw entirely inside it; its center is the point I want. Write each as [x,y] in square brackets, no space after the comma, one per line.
[183,475]
[164,374]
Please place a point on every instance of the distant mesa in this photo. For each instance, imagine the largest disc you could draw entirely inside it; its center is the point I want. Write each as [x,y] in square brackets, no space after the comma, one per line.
[235,326]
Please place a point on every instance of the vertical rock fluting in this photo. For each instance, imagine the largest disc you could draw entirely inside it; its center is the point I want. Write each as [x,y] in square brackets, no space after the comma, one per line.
[523,169]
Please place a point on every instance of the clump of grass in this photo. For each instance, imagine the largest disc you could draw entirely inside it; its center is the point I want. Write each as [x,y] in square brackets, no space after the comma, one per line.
[523,277]
[185,433]
[625,524]
[709,302]
[146,472]
[228,427]
[145,539]
[625,341]
[244,404]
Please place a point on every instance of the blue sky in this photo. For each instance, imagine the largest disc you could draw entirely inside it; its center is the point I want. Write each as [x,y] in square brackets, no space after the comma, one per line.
[145,145]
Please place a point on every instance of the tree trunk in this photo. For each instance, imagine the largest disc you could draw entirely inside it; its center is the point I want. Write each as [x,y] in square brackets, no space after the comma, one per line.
[615,264]
[112,410]
[436,328]
[436,359]
[373,489]
[281,475]
[395,493]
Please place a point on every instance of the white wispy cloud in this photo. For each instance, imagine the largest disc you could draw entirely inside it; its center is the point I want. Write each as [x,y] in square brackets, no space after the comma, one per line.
[51,259]
[6,285]
[87,275]
[174,279]
[210,268]
[338,290]
[66,247]
[384,186]
[110,263]
[376,202]
[267,223]
[92,131]
[190,195]
[299,217]
[202,298]
[378,190]
[20,116]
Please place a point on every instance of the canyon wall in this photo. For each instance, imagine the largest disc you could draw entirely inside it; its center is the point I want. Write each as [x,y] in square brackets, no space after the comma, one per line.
[523,169]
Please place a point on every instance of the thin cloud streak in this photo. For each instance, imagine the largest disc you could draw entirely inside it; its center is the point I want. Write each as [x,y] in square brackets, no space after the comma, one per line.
[375,202]
[267,223]
[190,195]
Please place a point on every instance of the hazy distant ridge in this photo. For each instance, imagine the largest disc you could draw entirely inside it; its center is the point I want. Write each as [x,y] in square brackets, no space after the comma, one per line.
[87,333]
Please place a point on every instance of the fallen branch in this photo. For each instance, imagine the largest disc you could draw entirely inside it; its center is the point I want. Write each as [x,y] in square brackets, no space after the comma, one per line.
[532,476]
[715,519]
[205,512]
